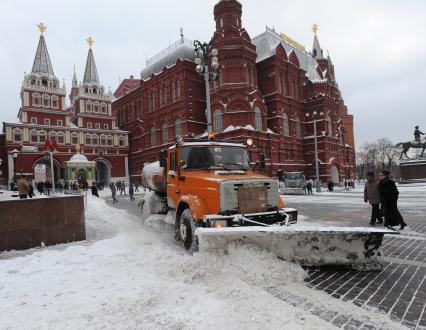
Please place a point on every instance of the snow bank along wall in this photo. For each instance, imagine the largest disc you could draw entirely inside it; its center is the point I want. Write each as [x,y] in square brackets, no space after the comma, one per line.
[29,222]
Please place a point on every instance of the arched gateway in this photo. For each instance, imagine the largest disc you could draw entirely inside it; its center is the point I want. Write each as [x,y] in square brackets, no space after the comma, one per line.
[334,174]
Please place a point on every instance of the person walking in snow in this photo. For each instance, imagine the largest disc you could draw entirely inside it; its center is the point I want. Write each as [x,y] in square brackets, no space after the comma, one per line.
[123,188]
[131,192]
[94,189]
[372,196]
[23,187]
[309,185]
[389,196]
[114,193]
[136,187]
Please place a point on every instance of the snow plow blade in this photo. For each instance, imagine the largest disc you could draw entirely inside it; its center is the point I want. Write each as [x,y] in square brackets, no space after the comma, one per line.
[346,247]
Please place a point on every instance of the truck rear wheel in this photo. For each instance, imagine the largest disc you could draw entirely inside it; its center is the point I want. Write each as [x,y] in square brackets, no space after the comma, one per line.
[187,231]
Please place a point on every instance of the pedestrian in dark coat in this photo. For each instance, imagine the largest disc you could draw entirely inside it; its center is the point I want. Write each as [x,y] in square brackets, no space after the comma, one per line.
[372,195]
[131,192]
[94,189]
[114,193]
[389,197]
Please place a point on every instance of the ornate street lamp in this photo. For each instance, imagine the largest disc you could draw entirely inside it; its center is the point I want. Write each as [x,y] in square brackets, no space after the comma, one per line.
[202,52]
[14,154]
[50,148]
[314,117]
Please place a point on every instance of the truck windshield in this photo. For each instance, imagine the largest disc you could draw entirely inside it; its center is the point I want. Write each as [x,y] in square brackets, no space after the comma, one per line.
[215,157]
[295,176]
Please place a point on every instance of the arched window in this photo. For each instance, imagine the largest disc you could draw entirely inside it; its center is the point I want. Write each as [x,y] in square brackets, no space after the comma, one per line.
[165,133]
[36,100]
[88,139]
[110,140]
[103,140]
[74,138]
[88,106]
[46,101]
[42,137]
[298,127]
[96,107]
[52,135]
[103,107]
[283,87]
[329,127]
[95,139]
[173,91]
[55,101]
[153,137]
[34,136]
[286,127]
[178,127]
[60,138]
[178,89]
[258,119]
[217,121]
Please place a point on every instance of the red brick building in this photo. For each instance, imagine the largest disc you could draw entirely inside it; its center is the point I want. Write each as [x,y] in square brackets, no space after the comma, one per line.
[44,115]
[268,89]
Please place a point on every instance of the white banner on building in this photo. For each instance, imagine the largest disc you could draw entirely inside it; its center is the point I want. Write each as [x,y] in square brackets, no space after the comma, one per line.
[40,173]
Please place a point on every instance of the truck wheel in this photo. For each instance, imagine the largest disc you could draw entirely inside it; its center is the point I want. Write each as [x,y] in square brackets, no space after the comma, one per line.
[187,231]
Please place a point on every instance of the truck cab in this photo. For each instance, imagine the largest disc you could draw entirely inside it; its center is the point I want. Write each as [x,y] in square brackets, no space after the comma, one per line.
[211,184]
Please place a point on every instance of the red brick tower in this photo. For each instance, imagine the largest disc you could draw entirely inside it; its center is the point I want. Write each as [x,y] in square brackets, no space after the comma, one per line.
[235,97]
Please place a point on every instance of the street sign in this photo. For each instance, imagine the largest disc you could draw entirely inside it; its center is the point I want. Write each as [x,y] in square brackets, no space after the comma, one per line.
[29,149]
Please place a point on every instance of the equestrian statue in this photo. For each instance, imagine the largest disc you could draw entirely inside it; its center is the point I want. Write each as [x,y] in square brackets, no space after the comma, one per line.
[416,144]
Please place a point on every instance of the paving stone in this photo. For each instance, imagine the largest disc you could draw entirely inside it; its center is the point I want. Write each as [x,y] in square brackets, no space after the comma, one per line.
[341,319]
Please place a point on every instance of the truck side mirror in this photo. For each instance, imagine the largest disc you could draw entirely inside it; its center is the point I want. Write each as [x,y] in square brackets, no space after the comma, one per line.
[163,158]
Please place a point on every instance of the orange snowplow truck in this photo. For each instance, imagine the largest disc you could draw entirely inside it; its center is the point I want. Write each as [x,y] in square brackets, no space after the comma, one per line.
[211,184]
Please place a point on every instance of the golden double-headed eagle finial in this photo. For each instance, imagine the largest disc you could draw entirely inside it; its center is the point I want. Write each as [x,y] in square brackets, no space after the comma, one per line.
[314,29]
[41,28]
[90,42]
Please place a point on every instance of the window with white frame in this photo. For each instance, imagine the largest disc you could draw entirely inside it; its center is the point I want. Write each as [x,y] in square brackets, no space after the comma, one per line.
[34,136]
[60,138]
[52,135]
[55,102]
[59,122]
[36,100]
[217,121]
[106,126]
[121,140]
[46,101]
[17,135]
[47,121]
[33,120]
[103,107]
[298,127]
[165,133]
[74,138]
[42,137]
[258,119]
[110,140]
[89,125]
[96,107]
[95,140]
[153,137]
[286,127]
[103,140]
[97,126]
[88,139]
[88,106]
[178,127]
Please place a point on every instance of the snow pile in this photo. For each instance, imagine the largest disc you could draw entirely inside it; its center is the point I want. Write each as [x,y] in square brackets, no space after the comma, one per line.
[141,279]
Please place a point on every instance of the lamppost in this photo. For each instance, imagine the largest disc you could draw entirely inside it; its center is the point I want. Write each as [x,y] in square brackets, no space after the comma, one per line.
[314,117]
[14,157]
[202,51]
[50,148]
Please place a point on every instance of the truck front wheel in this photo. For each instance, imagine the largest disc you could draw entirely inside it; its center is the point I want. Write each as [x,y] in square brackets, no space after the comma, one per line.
[187,231]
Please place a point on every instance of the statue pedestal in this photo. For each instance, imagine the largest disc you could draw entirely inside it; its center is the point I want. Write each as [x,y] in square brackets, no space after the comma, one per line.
[413,169]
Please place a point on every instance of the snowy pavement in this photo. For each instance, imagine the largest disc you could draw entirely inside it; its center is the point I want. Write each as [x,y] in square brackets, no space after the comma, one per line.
[126,276]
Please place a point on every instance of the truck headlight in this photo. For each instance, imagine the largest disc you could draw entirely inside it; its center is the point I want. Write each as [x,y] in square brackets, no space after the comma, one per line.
[218,223]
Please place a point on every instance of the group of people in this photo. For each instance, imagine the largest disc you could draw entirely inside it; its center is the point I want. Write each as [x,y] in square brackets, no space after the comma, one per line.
[349,184]
[383,194]
[121,186]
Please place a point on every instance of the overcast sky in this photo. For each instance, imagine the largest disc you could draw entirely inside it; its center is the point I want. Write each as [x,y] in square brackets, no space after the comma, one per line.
[378,47]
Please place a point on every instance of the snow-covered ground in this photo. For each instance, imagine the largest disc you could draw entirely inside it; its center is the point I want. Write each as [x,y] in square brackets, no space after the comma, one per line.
[127,276]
